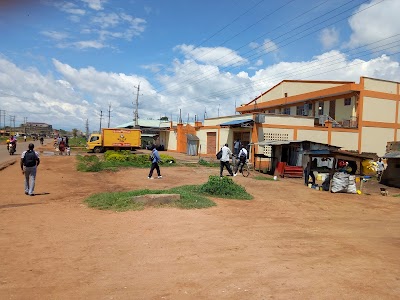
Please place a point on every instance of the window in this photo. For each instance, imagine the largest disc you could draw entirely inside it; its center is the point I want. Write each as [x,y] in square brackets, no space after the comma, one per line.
[272,136]
[286,111]
[94,138]
[347,101]
[271,111]
[320,108]
[299,110]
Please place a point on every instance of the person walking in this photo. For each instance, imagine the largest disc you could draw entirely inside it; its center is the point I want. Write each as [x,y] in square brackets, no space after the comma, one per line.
[29,163]
[380,168]
[155,159]
[241,160]
[224,160]
[236,147]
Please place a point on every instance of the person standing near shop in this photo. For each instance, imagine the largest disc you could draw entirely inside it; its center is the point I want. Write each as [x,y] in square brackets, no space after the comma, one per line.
[224,160]
[29,163]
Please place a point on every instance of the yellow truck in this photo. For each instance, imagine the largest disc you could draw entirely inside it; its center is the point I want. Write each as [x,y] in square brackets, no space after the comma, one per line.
[114,139]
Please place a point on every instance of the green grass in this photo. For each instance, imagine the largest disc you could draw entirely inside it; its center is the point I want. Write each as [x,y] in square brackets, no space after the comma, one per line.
[396,195]
[113,160]
[77,142]
[192,196]
[205,163]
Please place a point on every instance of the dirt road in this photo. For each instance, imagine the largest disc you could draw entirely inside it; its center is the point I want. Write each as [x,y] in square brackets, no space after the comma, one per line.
[290,242]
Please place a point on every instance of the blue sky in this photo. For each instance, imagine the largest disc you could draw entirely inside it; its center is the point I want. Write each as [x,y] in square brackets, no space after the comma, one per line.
[62,62]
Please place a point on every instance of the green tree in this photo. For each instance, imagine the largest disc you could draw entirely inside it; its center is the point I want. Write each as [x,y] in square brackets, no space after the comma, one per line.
[74,132]
[164,118]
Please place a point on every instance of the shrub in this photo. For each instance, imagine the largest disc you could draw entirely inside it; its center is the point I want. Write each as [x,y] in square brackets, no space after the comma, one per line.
[224,187]
[89,163]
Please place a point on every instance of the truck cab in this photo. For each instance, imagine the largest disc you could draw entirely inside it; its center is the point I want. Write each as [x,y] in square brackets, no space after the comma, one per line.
[94,143]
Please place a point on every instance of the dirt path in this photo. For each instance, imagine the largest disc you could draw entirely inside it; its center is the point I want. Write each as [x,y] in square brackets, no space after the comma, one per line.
[290,242]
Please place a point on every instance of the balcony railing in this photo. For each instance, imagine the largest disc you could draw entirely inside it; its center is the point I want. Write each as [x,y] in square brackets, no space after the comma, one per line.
[345,123]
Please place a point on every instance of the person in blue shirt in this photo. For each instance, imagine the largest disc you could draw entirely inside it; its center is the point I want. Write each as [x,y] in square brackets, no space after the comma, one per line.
[155,159]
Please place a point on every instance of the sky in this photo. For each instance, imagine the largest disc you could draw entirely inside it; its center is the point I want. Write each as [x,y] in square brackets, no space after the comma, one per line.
[72,63]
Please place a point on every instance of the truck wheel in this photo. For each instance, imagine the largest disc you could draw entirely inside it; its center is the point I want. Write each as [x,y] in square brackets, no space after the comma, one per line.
[97,149]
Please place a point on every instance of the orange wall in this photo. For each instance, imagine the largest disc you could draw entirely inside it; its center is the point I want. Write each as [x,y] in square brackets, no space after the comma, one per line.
[181,132]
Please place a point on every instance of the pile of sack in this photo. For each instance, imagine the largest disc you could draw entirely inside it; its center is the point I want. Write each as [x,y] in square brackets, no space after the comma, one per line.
[343,183]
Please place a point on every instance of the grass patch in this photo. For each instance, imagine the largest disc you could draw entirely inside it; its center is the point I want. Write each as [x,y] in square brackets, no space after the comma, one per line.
[205,163]
[192,196]
[260,177]
[77,142]
[224,187]
[396,195]
[112,160]
[122,201]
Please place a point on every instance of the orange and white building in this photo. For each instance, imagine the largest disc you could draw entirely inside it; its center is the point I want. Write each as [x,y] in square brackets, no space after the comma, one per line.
[360,116]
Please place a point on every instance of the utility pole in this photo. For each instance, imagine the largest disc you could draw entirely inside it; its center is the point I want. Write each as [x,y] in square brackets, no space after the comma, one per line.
[3,114]
[87,128]
[180,116]
[101,117]
[25,120]
[109,114]
[136,115]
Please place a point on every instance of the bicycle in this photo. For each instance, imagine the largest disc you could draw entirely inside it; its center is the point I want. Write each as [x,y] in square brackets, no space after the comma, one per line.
[245,169]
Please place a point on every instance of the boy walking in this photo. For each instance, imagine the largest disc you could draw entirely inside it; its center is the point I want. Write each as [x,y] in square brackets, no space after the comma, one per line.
[155,158]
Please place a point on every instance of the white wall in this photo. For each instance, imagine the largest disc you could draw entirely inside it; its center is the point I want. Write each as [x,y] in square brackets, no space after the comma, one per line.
[379,110]
[346,140]
[375,139]
[380,85]
[313,135]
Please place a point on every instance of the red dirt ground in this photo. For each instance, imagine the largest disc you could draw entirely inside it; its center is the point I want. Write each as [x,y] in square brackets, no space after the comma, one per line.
[290,242]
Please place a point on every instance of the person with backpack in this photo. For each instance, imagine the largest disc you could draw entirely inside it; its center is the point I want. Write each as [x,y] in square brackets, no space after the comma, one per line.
[29,162]
[155,159]
[226,153]
[241,160]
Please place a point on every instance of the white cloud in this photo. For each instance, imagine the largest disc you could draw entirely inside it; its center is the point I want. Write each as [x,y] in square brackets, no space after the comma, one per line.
[269,46]
[376,23]
[95,4]
[329,37]
[69,8]
[70,96]
[218,56]
[55,35]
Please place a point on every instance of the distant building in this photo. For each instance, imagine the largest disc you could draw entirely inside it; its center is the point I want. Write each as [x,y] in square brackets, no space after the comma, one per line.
[37,128]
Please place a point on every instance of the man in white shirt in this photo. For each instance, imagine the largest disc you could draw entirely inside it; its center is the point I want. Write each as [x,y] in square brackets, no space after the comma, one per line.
[224,160]
[241,160]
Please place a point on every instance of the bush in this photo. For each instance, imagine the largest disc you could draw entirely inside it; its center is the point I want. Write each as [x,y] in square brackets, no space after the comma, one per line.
[224,187]
[89,163]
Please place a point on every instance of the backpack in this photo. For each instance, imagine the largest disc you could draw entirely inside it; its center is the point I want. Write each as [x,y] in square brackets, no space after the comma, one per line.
[219,154]
[30,159]
[243,156]
[151,157]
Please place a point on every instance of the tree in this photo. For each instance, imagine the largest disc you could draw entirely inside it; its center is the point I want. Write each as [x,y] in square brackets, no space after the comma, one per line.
[164,118]
[74,132]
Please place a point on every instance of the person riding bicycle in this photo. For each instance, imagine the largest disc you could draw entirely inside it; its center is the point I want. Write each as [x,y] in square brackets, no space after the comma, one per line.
[241,160]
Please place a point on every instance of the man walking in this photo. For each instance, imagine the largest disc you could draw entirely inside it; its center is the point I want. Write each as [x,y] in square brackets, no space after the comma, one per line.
[155,158]
[224,160]
[241,160]
[29,162]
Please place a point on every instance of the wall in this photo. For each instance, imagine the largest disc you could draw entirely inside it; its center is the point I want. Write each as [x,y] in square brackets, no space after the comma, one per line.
[380,85]
[313,135]
[171,140]
[295,88]
[375,139]
[346,140]
[379,110]
[202,135]
[289,120]
[344,112]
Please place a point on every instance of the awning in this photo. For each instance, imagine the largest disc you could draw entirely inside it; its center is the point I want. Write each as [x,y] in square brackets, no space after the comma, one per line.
[237,122]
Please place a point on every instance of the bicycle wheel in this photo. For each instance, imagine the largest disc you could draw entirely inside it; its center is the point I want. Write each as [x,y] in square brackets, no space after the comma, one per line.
[245,171]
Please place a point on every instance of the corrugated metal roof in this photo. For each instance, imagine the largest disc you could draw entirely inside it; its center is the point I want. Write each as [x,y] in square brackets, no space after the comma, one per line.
[236,122]
[147,123]
[394,154]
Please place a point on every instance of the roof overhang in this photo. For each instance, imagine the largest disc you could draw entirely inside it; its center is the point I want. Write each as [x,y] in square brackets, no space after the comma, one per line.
[238,123]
